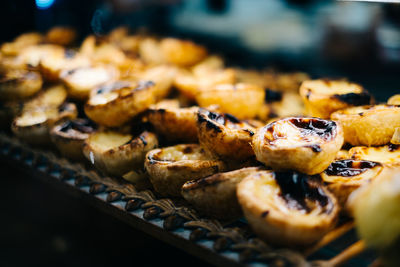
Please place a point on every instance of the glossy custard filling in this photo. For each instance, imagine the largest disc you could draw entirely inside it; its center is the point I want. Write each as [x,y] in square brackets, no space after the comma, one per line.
[108,140]
[300,132]
[328,87]
[363,110]
[180,152]
[89,77]
[51,97]
[31,118]
[110,92]
[40,115]
[388,154]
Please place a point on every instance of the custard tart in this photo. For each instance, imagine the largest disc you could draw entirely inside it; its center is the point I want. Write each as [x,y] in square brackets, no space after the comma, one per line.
[150,51]
[80,81]
[372,125]
[20,42]
[175,124]
[394,100]
[344,176]
[190,84]
[287,208]
[225,136]
[323,97]
[376,209]
[34,125]
[19,84]
[32,56]
[52,66]
[116,153]
[304,144]
[170,167]
[115,103]
[162,76]
[241,100]
[69,136]
[215,195]
[182,52]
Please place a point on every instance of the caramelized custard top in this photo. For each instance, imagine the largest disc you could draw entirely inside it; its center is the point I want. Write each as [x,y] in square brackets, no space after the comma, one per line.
[350,167]
[300,132]
[216,120]
[302,192]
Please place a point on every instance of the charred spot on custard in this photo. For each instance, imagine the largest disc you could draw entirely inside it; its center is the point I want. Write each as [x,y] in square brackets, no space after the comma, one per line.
[143,139]
[231,118]
[202,116]
[215,120]
[350,167]
[270,131]
[118,85]
[153,159]
[307,126]
[356,99]
[220,118]
[322,128]
[393,147]
[264,214]
[212,126]
[203,182]
[251,133]
[316,148]
[187,150]
[302,192]
[81,125]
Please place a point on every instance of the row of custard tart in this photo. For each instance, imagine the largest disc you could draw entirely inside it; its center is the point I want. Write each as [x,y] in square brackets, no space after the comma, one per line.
[33,61]
[166,114]
[307,145]
[263,192]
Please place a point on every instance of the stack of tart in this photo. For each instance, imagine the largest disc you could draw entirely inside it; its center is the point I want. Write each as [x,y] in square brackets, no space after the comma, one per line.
[281,149]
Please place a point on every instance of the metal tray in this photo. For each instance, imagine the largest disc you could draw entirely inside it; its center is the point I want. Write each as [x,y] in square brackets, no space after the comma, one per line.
[175,222]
